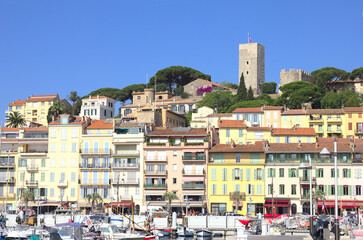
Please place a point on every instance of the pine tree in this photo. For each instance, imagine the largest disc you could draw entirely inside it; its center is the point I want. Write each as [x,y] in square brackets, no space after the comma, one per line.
[250,94]
[242,90]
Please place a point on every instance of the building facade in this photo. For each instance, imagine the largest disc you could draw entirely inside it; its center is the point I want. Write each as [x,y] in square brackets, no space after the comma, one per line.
[98,107]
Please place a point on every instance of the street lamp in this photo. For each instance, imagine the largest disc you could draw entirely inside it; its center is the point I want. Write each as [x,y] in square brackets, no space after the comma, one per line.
[325,152]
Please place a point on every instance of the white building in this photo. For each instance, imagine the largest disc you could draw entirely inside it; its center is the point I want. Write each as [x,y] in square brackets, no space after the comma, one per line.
[99,107]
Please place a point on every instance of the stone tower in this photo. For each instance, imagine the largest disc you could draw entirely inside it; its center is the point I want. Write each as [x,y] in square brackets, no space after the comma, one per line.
[293,75]
[252,65]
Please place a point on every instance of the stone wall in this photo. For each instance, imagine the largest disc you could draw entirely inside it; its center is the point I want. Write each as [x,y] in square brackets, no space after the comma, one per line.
[293,75]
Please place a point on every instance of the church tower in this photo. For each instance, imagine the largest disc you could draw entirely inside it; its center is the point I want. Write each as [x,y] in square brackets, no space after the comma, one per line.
[252,65]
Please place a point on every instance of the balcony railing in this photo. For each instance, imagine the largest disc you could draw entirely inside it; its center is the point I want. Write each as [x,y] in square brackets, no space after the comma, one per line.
[155,172]
[313,160]
[34,152]
[307,180]
[155,144]
[94,181]
[191,172]
[156,159]
[7,180]
[32,168]
[193,186]
[125,181]
[193,157]
[99,151]
[125,165]
[7,165]
[159,186]
[338,119]
[81,165]
[358,131]
[62,183]
[31,182]
[121,153]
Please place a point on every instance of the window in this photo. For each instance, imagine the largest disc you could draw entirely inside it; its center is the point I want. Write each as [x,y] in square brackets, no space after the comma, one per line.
[43,163]
[224,174]
[320,173]
[52,133]
[51,193]
[224,189]
[95,147]
[321,188]
[63,147]
[282,189]
[175,153]
[52,162]
[63,162]
[174,167]
[277,139]
[240,132]
[293,172]
[238,157]
[346,173]
[73,192]
[281,172]
[332,190]
[270,189]
[332,173]
[42,177]
[345,190]
[52,147]
[174,180]
[74,147]
[358,190]
[293,189]
[214,188]
[299,139]
[287,139]
[309,140]
[258,135]
[64,134]
[249,189]
[52,177]
[214,174]
[329,127]
[73,176]
[74,132]
[73,162]
[268,115]
[258,174]
[228,133]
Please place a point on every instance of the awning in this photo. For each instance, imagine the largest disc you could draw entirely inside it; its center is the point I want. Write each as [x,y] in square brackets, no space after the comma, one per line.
[84,204]
[162,204]
[193,179]
[240,204]
[341,203]
[279,202]
[50,204]
[120,204]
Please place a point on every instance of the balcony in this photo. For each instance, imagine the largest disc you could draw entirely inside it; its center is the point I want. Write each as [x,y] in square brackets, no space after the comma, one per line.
[313,119]
[306,180]
[97,182]
[193,158]
[157,159]
[193,186]
[358,131]
[32,168]
[5,164]
[155,186]
[125,165]
[334,130]
[31,183]
[7,180]
[99,151]
[336,120]
[119,153]
[155,144]
[155,172]
[34,152]
[62,184]
[93,166]
[117,181]
[193,172]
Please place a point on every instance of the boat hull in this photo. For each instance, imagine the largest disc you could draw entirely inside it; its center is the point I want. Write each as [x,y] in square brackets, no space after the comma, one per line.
[204,233]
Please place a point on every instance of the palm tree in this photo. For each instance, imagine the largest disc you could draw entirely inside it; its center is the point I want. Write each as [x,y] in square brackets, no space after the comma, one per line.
[317,195]
[73,97]
[56,109]
[15,120]
[28,196]
[170,196]
[237,196]
[94,198]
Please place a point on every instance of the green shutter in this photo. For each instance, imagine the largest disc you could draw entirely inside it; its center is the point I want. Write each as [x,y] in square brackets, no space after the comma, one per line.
[26,162]
[255,174]
[329,190]
[240,174]
[19,162]
[263,174]
[340,190]
[316,172]
[350,189]
[18,192]
[214,174]
[248,174]
[289,172]
[297,172]
[268,172]
[46,192]
[326,189]
[338,172]
[274,173]
[349,174]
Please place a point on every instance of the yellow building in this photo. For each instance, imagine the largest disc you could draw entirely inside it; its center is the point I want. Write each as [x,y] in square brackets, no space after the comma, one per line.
[258,134]
[95,166]
[293,135]
[65,136]
[8,159]
[35,108]
[272,116]
[199,118]
[354,122]
[215,119]
[236,168]
[327,122]
[294,117]
[232,130]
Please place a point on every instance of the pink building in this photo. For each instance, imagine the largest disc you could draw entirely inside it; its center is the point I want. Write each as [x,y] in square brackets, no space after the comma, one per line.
[175,161]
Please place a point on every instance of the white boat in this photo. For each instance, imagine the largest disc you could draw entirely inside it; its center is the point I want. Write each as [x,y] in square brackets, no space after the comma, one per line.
[163,232]
[24,232]
[185,232]
[204,233]
[111,232]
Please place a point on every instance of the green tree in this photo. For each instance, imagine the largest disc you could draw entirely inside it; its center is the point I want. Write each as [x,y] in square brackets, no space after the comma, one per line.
[353,101]
[189,118]
[242,91]
[317,195]
[220,100]
[250,94]
[176,76]
[15,120]
[237,196]
[73,97]
[357,73]
[267,98]
[178,90]
[56,109]
[331,100]
[247,104]
[229,85]
[323,76]
[94,198]
[269,87]
[170,196]
[27,197]
[184,95]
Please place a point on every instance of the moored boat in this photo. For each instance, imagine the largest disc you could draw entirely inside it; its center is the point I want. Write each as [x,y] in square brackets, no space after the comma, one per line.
[164,232]
[204,233]
[185,232]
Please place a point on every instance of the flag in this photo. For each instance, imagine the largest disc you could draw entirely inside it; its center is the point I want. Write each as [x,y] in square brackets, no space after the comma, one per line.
[323,207]
[249,38]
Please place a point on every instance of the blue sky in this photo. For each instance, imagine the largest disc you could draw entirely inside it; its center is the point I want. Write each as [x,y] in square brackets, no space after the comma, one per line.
[49,47]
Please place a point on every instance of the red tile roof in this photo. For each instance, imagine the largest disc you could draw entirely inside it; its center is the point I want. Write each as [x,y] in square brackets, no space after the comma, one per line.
[248,110]
[220,115]
[38,98]
[72,120]
[292,131]
[10,129]
[307,147]
[231,124]
[17,103]
[100,124]
[294,112]
[181,132]
[353,109]
[36,129]
[259,128]
[324,111]
[273,108]
[237,148]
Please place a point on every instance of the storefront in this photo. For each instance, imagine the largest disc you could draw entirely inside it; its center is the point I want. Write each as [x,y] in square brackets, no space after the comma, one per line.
[280,206]
[343,205]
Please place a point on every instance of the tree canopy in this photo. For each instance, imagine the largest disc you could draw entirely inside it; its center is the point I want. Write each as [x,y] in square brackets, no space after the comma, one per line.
[57,109]
[242,90]
[322,76]
[175,76]
[247,104]
[269,87]
[15,120]
[229,85]
[220,100]
[357,73]
[347,98]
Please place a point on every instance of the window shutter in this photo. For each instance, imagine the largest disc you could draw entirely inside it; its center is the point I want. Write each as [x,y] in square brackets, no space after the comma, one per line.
[329,190]
[26,162]
[255,174]
[354,191]
[248,174]
[252,189]
[46,192]
[289,172]
[356,173]
[350,190]
[268,172]
[297,172]
[349,173]
[233,173]
[19,162]
[240,174]
[338,172]
[214,174]
[247,189]
[263,174]
[340,190]
[326,189]
[274,172]
[316,172]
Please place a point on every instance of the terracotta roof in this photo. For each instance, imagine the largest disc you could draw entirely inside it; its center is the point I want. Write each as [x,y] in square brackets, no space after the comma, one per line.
[231,124]
[10,140]
[220,115]
[100,124]
[181,132]
[307,147]
[36,129]
[353,109]
[10,129]
[293,112]
[342,140]
[292,131]
[130,124]
[273,108]
[324,111]
[248,110]
[36,98]
[259,128]
[73,120]
[237,148]
[214,84]
[17,103]
[100,97]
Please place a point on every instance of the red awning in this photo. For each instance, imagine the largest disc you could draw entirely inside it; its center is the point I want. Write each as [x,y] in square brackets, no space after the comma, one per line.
[121,204]
[341,203]
[277,203]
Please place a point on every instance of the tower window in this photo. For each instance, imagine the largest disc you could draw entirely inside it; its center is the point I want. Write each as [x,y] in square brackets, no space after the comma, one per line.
[247,62]
[246,72]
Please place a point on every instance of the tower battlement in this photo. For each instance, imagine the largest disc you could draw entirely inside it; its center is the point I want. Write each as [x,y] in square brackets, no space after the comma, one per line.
[293,75]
